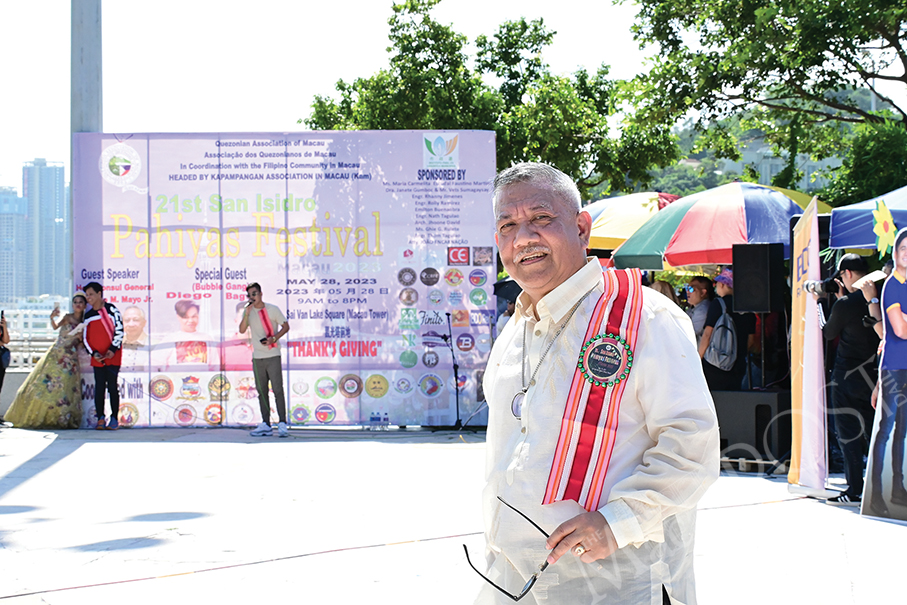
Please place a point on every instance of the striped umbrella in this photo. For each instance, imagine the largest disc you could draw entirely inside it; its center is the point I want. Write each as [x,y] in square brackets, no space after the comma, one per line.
[614,219]
[701,229]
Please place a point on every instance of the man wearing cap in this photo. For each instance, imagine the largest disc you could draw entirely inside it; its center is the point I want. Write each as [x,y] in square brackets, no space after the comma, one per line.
[853,374]
[892,405]
[601,429]
[744,325]
[699,294]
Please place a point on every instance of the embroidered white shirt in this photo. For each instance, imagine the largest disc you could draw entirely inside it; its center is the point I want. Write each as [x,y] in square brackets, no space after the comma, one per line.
[665,454]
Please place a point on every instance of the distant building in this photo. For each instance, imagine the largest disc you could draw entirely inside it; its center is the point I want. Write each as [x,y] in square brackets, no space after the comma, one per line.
[759,155]
[50,244]
[15,240]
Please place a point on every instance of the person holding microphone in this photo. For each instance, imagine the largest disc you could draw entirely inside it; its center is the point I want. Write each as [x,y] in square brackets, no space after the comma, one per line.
[267,324]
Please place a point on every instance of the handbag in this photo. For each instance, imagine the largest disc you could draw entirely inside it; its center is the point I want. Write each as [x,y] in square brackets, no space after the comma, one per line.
[5,357]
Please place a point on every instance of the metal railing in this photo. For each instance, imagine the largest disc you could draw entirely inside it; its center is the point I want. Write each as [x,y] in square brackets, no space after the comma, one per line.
[26,353]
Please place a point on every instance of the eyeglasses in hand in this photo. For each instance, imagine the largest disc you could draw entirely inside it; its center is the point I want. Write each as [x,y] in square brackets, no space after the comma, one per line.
[528,586]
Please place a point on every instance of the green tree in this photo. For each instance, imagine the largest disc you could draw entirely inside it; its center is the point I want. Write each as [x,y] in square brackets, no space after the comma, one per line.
[536,115]
[875,163]
[794,65]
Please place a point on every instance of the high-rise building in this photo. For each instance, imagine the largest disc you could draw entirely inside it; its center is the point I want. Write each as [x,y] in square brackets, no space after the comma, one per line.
[15,242]
[43,185]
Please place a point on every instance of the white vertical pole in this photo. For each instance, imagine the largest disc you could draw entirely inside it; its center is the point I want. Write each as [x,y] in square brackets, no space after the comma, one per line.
[86,90]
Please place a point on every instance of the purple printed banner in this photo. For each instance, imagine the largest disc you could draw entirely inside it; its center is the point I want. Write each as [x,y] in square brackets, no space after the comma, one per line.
[377,246]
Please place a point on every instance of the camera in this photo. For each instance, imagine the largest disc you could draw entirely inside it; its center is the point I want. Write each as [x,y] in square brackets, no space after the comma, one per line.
[824,286]
[264,340]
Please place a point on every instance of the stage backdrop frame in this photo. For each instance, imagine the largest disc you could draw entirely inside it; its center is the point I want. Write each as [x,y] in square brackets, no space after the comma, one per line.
[370,242]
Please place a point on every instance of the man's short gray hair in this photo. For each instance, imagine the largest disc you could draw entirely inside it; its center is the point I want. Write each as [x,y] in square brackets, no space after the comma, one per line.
[541,174]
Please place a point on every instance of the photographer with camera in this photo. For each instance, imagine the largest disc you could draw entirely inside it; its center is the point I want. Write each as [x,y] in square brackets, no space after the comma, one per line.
[854,372]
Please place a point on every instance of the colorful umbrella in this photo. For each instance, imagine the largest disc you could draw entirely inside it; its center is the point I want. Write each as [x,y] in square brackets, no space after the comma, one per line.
[614,219]
[702,228]
[852,226]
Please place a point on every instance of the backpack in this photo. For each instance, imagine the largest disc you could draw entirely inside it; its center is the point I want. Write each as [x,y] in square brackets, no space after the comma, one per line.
[722,349]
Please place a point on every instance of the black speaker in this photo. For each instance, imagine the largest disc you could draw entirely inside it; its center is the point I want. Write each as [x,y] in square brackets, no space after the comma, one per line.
[758,278]
[753,425]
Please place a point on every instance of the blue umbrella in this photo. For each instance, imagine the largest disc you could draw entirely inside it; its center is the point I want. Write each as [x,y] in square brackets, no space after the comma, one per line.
[851,226]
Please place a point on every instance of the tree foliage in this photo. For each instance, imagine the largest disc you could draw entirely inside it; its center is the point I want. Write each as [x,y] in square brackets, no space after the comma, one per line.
[792,64]
[536,115]
[875,163]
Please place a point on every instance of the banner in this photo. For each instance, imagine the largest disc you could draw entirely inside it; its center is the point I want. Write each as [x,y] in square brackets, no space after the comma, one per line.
[371,243]
[808,420]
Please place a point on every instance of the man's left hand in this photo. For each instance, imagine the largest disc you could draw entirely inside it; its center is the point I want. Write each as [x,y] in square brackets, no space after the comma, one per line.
[589,530]
[109,354]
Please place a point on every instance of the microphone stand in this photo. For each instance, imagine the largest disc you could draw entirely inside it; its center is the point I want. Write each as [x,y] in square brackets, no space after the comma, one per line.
[448,340]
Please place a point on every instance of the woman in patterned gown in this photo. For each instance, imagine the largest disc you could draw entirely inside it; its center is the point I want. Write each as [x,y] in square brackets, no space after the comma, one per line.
[51,396]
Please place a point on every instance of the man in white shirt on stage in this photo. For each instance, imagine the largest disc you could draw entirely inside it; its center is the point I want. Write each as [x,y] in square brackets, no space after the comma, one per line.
[601,427]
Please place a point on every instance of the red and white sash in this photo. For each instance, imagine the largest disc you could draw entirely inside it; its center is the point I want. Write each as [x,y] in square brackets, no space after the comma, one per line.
[589,425]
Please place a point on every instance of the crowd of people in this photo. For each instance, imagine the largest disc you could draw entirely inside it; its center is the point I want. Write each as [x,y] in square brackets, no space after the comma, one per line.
[705,301]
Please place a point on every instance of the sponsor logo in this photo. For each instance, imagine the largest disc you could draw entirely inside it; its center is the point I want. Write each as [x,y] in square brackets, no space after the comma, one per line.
[483,343]
[429,276]
[409,319]
[242,413]
[350,386]
[408,359]
[482,317]
[184,415]
[430,385]
[300,387]
[436,297]
[478,277]
[459,318]
[129,415]
[406,277]
[430,359]
[409,297]
[455,298]
[404,384]
[458,255]
[478,297]
[453,277]
[465,342]
[120,165]
[433,258]
[300,414]
[325,413]
[460,383]
[482,255]
[376,386]
[431,318]
[432,339]
[161,388]
[440,150]
[214,414]
[191,389]
[407,256]
[325,387]
[218,388]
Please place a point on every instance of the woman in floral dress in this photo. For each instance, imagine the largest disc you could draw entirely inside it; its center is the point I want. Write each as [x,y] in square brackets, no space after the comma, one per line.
[51,396]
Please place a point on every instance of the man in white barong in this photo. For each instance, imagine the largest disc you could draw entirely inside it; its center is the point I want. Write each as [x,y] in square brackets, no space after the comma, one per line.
[601,428]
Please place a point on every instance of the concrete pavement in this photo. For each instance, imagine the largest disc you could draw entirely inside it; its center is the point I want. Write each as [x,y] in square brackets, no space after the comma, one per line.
[179,515]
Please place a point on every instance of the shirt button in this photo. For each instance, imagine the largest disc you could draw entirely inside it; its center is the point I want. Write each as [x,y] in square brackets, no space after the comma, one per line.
[523,430]
[532,382]
[538,332]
